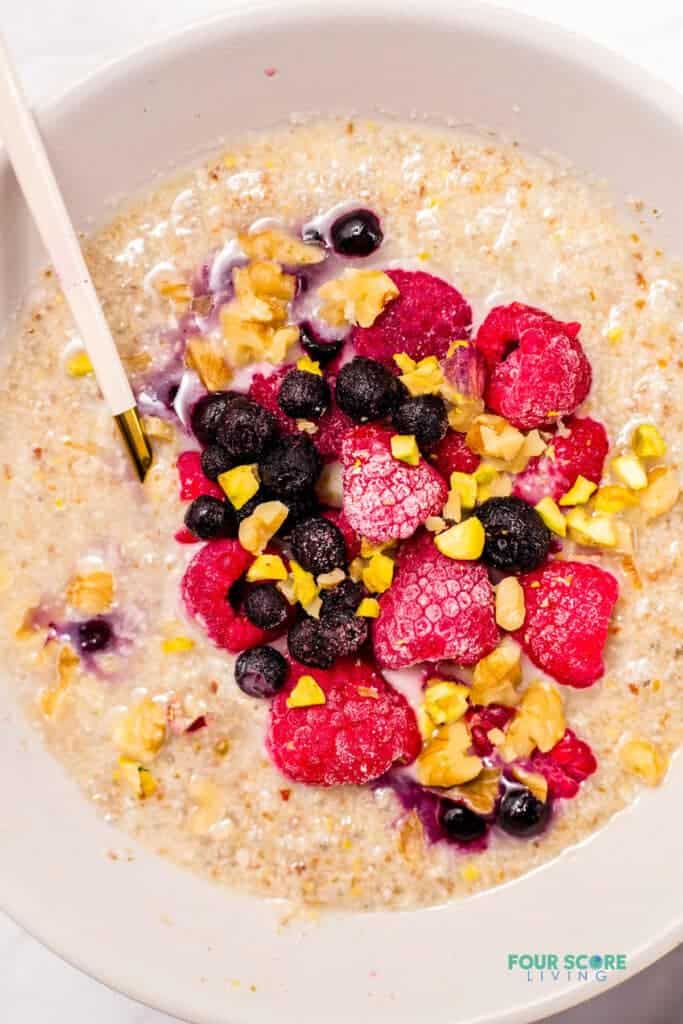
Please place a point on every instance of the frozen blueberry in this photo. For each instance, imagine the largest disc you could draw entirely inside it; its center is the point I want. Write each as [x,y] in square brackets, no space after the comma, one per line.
[316,347]
[357,233]
[208,518]
[93,635]
[261,671]
[318,545]
[208,413]
[346,596]
[246,430]
[343,632]
[308,643]
[461,823]
[290,467]
[216,460]
[517,539]
[423,416]
[304,395]
[265,606]
[301,506]
[521,814]
[366,390]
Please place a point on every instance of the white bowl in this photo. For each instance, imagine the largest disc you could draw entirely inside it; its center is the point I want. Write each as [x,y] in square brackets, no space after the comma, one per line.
[143,926]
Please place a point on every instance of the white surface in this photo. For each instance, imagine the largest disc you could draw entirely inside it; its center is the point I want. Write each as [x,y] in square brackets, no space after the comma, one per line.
[55,44]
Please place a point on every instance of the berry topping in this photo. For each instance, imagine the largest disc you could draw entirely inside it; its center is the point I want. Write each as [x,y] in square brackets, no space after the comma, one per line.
[437,608]
[346,596]
[216,460]
[460,823]
[365,390]
[331,429]
[304,395]
[539,370]
[290,467]
[423,320]
[522,814]
[261,671]
[206,588]
[424,417]
[385,499]
[322,351]
[93,635]
[568,608]
[357,734]
[193,482]
[351,538]
[265,391]
[208,413]
[356,234]
[481,720]
[517,539]
[566,766]
[318,545]
[265,606]
[579,451]
[246,430]
[309,644]
[344,632]
[453,456]
[209,518]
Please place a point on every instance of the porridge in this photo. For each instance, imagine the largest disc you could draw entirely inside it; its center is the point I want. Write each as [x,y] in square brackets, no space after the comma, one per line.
[394,617]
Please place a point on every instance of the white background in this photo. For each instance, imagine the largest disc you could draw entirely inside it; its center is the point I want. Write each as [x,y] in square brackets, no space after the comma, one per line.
[56,44]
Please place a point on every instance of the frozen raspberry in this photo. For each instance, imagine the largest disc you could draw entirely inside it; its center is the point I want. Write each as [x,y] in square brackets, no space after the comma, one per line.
[482,719]
[193,483]
[580,452]
[568,608]
[565,766]
[386,499]
[422,320]
[265,390]
[362,729]
[332,427]
[436,608]
[539,370]
[351,538]
[453,456]
[205,588]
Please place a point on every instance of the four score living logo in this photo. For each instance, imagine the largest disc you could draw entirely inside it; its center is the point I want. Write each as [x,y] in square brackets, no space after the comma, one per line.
[540,967]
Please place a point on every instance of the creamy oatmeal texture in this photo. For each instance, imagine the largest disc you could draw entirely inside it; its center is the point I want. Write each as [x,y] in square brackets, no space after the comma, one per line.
[502,226]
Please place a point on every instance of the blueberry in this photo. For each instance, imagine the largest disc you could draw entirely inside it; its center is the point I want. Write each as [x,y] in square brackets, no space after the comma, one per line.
[521,814]
[308,644]
[304,395]
[517,539]
[215,460]
[343,632]
[208,413]
[346,596]
[316,347]
[357,233]
[301,506]
[208,518]
[261,671]
[93,635]
[423,416]
[318,545]
[366,390]
[290,467]
[460,823]
[265,606]
[246,430]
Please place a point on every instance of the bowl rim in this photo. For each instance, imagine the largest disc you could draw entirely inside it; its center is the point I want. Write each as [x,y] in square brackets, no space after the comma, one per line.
[244,17]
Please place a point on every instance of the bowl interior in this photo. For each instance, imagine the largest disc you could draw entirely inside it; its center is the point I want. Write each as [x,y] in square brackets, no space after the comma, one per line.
[138,923]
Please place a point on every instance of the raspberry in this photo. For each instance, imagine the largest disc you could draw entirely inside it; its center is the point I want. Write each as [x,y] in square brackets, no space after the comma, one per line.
[565,766]
[265,391]
[453,456]
[539,370]
[351,538]
[581,452]
[436,608]
[481,720]
[568,608]
[362,729]
[422,320]
[384,498]
[331,429]
[185,536]
[205,588]
[193,483]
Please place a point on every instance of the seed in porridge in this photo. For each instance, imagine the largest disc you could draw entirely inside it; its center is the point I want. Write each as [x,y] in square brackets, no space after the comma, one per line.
[423,416]
[460,823]
[93,635]
[207,415]
[308,643]
[261,671]
[216,460]
[357,233]
[366,390]
[177,645]
[322,351]
[318,545]
[647,442]
[290,467]
[208,518]
[265,606]
[304,394]
[517,539]
[246,430]
[522,814]
[347,595]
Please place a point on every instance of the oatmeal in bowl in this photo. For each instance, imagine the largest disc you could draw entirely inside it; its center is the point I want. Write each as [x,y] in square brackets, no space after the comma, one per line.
[394,617]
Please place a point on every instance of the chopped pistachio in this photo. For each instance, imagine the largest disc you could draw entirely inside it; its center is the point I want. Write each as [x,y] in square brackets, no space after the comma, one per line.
[404,449]
[379,573]
[368,608]
[579,492]
[240,484]
[79,365]
[267,567]
[177,644]
[662,492]
[463,541]
[510,606]
[630,471]
[551,515]
[593,531]
[140,732]
[258,528]
[465,486]
[614,498]
[647,442]
[308,365]
[306,693]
